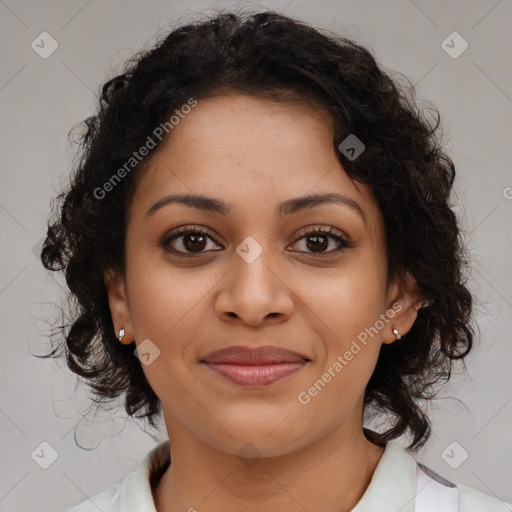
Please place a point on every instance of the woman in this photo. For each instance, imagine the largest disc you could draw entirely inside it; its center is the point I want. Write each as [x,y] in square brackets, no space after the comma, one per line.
[259,238]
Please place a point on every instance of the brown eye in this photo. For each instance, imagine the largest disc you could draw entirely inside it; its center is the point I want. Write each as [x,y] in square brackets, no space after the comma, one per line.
[194,242]
[318,240]
[188,241]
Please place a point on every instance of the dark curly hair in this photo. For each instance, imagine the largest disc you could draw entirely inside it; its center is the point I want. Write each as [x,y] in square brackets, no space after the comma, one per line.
[274,57]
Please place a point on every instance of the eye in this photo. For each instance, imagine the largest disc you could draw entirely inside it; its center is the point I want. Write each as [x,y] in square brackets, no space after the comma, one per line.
[318,240]
[188,241]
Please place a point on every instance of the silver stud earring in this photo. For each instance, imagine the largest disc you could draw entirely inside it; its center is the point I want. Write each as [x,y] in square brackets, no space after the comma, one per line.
[120,336]
[395,332]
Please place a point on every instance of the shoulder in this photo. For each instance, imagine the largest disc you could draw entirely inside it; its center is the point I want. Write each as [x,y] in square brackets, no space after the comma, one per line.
[428,491]
[471,500]
[460,498]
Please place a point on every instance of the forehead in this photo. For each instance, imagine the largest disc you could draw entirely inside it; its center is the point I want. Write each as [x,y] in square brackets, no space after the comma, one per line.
[245,126]
[250,151]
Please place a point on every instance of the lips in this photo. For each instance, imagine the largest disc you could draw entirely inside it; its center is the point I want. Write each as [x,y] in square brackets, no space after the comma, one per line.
[255,366]
[254,356]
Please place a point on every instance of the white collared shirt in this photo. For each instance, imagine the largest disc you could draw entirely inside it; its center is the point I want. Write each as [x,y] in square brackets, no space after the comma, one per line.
[398,484]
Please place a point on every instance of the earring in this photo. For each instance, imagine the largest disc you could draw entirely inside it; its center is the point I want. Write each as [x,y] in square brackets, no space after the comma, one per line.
[395,332]
[121,335]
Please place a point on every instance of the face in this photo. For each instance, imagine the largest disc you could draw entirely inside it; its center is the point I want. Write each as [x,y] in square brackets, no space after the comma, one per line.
[253,266]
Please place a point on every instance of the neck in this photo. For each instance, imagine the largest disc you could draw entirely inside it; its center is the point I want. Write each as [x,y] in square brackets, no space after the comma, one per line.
[340,465]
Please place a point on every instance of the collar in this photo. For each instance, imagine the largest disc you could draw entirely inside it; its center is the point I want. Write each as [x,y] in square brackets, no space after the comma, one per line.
[392,487]
[135,493]
[393,484]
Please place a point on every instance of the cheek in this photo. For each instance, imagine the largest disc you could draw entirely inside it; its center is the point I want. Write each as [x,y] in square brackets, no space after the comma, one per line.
[165,302]
[347,300]
[347,307]
[167,308]
[350,344]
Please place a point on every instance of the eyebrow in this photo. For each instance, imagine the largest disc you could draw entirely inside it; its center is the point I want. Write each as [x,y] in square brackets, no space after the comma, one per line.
[287,207]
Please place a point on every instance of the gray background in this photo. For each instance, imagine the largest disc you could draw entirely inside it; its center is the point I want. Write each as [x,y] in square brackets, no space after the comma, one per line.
[41,99]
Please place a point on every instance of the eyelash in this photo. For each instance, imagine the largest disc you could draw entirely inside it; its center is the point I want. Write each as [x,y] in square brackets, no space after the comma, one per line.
[344,244]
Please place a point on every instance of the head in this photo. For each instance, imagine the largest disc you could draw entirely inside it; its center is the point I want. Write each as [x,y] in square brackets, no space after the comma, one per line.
[252,114]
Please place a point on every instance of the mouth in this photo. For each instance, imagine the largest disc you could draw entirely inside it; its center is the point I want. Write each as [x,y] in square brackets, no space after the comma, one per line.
[255,366]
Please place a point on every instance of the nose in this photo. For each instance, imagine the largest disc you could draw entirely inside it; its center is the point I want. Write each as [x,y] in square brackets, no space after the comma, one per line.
[254,292]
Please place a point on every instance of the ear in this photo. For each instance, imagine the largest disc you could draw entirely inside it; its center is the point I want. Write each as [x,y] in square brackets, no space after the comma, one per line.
[119,306]
[404,298]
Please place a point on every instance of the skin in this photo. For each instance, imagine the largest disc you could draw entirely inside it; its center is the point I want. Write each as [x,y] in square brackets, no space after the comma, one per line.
[254,154]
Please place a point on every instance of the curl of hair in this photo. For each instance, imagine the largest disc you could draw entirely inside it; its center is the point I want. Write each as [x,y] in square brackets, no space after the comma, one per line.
[273,57]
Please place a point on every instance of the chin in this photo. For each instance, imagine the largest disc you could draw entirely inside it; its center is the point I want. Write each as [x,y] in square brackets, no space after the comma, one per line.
[260,438]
